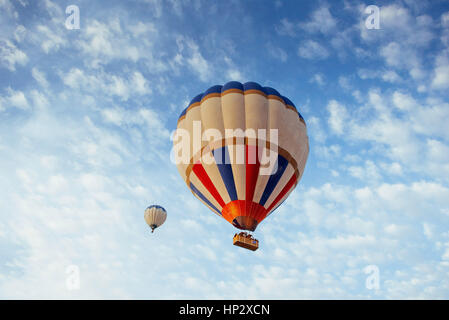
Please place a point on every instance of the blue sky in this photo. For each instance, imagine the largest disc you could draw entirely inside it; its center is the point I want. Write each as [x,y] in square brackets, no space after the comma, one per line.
[86,117]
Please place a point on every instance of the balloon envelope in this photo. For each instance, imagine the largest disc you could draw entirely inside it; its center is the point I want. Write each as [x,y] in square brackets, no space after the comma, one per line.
[239,186]
[155,216]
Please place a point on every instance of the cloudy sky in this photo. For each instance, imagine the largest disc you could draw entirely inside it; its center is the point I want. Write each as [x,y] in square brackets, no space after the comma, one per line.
[85,122]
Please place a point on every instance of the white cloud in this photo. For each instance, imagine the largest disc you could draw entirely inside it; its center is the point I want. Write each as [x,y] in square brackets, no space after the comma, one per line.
[286,28]
[75,78]
[140,84]
[438,151]
[344,83]
[316,130]
[115,116]
[397,127]
[105,41]
[142,29]
[150,121]
[236,75]
[338,117]
[399,24]
[198,63]
[328,152]
[39,77]
[50,39]
[190,51]
[277,53]
[321,20]
[445,19]
[318,78]
[394,53]
[402,34]
[312,50]
[118,87]
[109,84]
[10,55]
[378,222]
[14,98]
[441,73]
[384,129]
[17,99]
[386,75]
[8,7]
[403,101]
[20,33]
[391,76]
[156,6]
[393,168]
[369,173]
[357,96]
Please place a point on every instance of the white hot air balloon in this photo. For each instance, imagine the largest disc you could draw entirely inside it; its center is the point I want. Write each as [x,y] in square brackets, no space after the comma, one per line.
[155,216]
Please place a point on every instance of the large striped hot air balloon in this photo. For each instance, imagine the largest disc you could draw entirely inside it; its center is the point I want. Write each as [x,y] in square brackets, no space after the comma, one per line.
[242,192]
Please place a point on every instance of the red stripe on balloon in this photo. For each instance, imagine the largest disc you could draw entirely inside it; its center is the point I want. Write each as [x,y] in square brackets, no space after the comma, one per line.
[198,169]
[260,213]
[252,171]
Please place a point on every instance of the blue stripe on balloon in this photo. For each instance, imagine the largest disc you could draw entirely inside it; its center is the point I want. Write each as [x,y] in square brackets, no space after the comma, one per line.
[196,99]
[252,86]
[271,92]
[213,89]
[288,102]
[202,197]
[157,207]
[222,159]
[183,112]
[232,85]
[274,179]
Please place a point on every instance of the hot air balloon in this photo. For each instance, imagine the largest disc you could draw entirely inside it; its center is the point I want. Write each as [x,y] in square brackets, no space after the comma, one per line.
[155,216]
[239,186]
